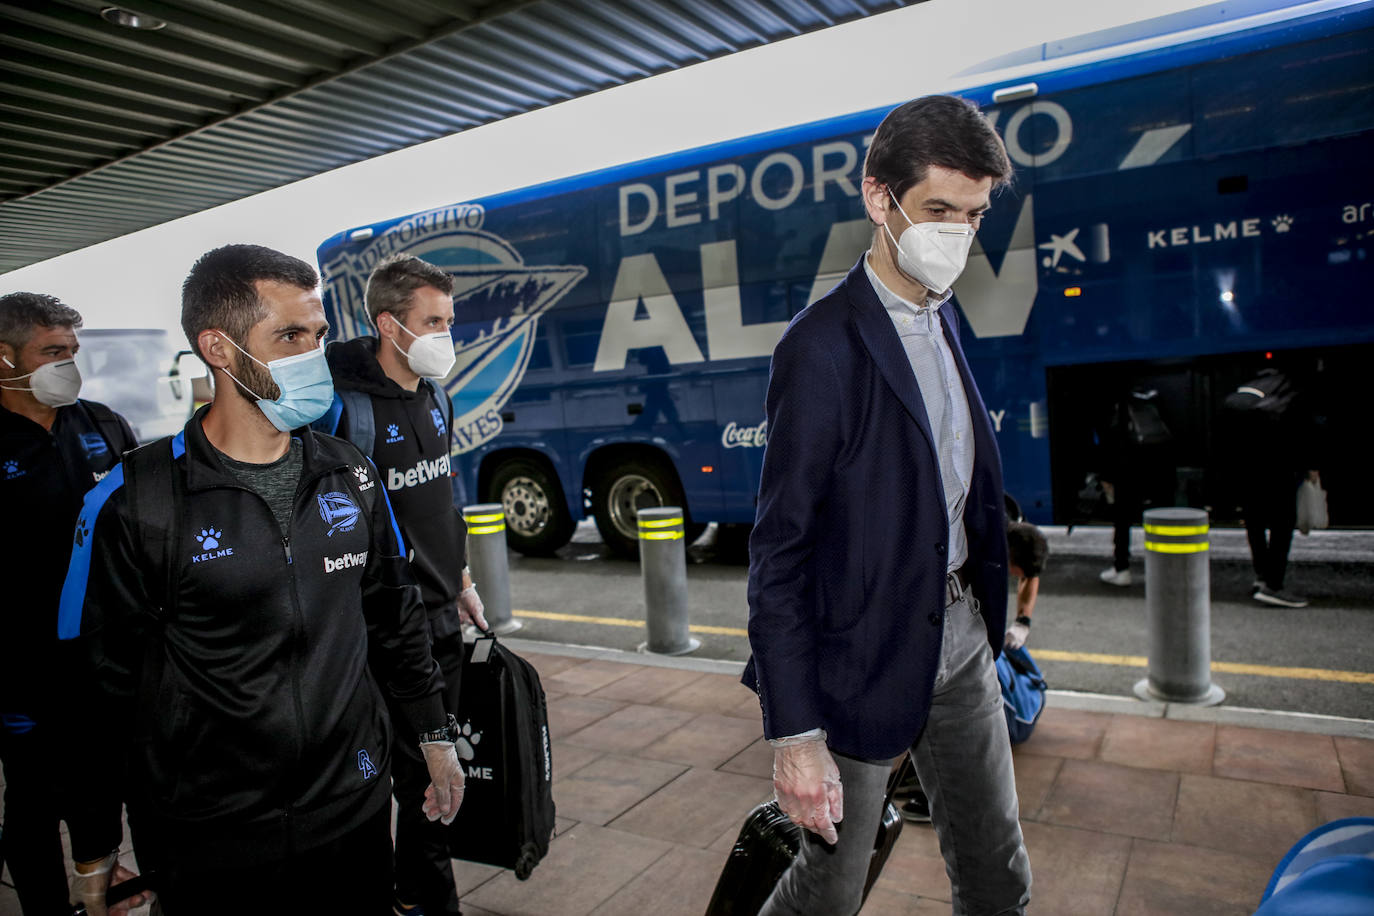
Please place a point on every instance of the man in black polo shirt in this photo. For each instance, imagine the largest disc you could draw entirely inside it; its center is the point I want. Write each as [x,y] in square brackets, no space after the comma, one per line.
[53,448]
[393,380]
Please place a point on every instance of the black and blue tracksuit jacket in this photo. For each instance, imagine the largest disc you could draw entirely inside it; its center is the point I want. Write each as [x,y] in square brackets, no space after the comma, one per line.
[248,719]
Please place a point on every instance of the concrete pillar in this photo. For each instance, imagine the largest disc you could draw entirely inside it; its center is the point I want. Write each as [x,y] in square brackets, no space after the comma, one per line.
[663,563]
[490,565]
[1178,609]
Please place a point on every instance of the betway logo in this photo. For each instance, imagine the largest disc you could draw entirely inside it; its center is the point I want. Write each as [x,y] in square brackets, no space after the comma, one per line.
[423,472]
[347,561]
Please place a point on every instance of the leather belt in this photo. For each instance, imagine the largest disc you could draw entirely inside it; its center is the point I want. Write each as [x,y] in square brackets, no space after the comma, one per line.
[955,586]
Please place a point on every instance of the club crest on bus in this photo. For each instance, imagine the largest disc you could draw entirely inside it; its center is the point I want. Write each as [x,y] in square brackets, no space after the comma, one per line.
[497,301]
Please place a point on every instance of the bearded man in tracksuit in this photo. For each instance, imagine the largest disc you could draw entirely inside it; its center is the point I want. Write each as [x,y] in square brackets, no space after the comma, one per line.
[411,304]
[230,585]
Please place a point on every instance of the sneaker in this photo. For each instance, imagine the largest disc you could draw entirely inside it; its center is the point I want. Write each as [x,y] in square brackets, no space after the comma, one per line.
[1120,577]
[916,809]
[1255,587]
[1279,598]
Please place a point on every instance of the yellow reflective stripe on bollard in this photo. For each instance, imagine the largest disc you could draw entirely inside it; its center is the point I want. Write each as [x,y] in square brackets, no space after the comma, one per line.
[487,529]
[1168,547]
[483,519]
[660,535]
[659,522]
[1176,530]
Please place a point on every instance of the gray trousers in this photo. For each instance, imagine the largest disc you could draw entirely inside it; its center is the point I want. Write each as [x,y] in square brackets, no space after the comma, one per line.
[963,758]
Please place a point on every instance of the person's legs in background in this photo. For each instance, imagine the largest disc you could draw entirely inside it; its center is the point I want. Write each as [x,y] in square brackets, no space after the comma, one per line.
[424,868]
[33,843]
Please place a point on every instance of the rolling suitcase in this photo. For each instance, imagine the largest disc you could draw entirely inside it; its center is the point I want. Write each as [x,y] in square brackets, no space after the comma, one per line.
[767,844]
[507,814]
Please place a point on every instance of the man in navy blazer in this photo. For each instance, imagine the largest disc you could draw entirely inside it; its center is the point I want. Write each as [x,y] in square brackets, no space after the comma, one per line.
[878,561]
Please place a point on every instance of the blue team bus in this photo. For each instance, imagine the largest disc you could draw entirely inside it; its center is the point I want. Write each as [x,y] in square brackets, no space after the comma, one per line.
[1193,194]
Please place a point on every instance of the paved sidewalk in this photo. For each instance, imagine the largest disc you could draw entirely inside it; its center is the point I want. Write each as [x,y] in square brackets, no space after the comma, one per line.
[656,763]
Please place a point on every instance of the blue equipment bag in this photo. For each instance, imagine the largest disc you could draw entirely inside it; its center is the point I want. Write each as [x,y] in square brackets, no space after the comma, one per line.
[1023,692]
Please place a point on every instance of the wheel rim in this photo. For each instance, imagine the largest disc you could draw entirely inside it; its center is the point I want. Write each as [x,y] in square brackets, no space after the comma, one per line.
[526,506]
[629,494]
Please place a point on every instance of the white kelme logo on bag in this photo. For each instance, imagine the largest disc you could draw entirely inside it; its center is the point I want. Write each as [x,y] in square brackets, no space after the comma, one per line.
[423,472]
[347,561]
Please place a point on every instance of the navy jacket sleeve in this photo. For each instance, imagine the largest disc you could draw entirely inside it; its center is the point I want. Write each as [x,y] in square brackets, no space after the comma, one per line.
[397,626]
[104,617]
[802,410]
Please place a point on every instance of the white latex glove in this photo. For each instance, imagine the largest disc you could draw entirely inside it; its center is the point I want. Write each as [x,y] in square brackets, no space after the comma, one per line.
[91,880]
[807,784]
[1017,634]
[444,794]
[470,608]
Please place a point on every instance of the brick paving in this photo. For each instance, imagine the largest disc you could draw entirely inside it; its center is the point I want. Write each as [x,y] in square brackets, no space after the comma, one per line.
[657,762]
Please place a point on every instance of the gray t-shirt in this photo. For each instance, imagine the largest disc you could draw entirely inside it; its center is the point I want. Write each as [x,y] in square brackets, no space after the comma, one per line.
[276,482]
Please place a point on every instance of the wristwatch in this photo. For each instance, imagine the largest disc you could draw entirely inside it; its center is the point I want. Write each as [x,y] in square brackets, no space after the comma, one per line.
[448,733]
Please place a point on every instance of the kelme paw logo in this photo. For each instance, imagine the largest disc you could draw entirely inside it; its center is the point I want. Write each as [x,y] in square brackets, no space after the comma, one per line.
[11,466]
[466,740]
[82,532]
[1282,223]
[392,429]
[209,537]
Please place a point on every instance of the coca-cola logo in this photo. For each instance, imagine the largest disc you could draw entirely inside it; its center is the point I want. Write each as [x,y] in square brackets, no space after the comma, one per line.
[736,436]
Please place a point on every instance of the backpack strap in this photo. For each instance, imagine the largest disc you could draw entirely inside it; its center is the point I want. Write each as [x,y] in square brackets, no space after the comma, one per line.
[155,499]
[360,426]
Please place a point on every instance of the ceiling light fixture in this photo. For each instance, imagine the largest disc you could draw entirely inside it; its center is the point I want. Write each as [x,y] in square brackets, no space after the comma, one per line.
[128,20]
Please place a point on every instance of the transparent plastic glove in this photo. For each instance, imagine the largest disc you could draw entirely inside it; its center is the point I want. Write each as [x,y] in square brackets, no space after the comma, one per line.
[91,880]
[807,785]
[444,794]
[1017,634]
[470,608]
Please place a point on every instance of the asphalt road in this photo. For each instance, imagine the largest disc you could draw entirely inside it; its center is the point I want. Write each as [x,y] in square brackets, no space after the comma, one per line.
[1076,615]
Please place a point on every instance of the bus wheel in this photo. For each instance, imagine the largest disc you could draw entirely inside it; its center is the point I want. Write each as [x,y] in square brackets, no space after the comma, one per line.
[622,491]
[537,519]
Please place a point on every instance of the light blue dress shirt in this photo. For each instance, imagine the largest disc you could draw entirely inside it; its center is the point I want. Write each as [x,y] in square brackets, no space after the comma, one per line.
[937,375]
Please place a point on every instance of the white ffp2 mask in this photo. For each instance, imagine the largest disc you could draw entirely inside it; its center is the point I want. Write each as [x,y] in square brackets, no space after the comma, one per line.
[932,254]
[430,355]
[55,384]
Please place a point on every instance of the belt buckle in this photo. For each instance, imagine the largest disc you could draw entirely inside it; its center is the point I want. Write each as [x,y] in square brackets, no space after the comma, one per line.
[953,588]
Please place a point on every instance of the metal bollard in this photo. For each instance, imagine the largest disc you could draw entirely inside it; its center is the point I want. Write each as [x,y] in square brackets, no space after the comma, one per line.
[663,563]
[1178,608]
[490,565]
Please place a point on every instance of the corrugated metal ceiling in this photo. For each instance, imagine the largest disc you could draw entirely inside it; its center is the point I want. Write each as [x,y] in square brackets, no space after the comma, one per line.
[109,129]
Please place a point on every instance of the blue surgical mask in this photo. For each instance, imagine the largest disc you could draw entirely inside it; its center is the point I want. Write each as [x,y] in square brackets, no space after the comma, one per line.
[307,389]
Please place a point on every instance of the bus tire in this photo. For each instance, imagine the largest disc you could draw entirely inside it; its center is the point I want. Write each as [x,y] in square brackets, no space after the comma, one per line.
[621,491]
[537,518]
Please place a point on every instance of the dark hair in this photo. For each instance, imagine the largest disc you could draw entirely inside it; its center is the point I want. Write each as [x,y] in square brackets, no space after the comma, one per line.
[23,313]
[397,278]
[221,290]
[935,130]
[1027,548]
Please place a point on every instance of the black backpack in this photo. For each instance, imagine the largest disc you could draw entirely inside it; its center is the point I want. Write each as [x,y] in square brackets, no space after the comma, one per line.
[1267,398]
[1141,421]
[507,815]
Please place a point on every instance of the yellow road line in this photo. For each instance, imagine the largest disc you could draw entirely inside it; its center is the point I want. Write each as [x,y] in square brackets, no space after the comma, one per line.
[622,622]
[1053,655]
[1140,661]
